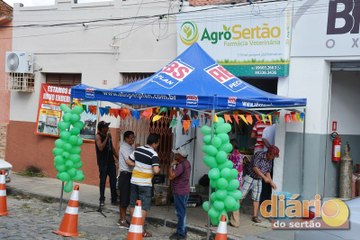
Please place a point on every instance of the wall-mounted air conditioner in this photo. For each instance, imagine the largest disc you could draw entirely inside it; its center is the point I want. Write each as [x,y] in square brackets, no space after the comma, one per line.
[19,62]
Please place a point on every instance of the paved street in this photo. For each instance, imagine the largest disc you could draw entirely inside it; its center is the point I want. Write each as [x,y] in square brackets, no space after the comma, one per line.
[31,218]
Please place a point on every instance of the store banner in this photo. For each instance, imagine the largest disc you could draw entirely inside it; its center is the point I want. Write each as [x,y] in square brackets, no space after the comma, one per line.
[49,112]
[248,40]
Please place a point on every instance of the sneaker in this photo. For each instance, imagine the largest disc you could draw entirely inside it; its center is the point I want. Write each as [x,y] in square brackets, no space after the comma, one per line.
[102,203]
[176,236]
[123,224]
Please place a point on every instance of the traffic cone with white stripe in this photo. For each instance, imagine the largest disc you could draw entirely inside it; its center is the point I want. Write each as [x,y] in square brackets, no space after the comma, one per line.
[222,231]
[3,206]
[69,223]
[136,226]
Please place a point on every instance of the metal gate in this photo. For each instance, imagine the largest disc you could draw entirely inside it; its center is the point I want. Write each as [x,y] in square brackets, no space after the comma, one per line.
[143,127]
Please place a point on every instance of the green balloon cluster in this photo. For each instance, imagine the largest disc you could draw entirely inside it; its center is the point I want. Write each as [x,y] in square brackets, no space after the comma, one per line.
[222,175]
[67,160]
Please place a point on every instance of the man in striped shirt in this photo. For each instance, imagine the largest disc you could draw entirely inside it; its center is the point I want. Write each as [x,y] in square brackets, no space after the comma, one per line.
[146,163]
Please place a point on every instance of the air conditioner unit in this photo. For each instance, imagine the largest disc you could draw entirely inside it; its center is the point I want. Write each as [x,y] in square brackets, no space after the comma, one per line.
[19,62]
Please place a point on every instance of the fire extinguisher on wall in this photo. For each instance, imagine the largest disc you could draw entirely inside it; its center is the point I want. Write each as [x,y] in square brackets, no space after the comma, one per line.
[336,147]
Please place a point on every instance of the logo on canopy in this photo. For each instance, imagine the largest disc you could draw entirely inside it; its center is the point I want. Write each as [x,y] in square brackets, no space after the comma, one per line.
[192,100]
[90,93]
[225,78]
[188,33]
[232,101]
[172,74]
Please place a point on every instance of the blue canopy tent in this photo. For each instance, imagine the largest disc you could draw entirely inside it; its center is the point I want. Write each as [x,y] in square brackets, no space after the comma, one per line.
[192,80]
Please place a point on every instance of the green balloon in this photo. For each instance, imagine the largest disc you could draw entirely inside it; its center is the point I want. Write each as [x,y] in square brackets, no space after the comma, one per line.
[215,221]
[65,108]
[207,139]
[64,176]
[59,143]
[206,130]
[209,150]
[66,117]
[78,165]
[213,183]
[222,183]
[234,173]
[59,160]
[226,147]
[79,124]
[219,205]
[213,213]
[229,202]
[66,155]
[67,147]
[64,135]
[220,122]
[236,207]
[226,173]
[63,125]
[229,164]
[224,137]
[205,206]
[210,161]
[75,158]
[214,174]
[73,140]
[222,166]
[69,164]
[75,150]
[72,172]
[233,185]
[74,118]
[213,197]
[58,151]
[60,168]
[79,142]
[216,141]
[221,157]
[68,187]
[236,194]
[223,128]
[77,110]
[221,194]
[79,176]
[75,131]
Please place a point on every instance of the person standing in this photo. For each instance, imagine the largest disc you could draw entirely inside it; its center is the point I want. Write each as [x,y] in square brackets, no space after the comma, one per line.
[268,136]
[125,169]
[146,163]
[179,174]
[259,169]
[257,133]
[105,153]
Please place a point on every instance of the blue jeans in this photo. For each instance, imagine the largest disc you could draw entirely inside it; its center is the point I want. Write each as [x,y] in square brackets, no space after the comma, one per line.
[180,209]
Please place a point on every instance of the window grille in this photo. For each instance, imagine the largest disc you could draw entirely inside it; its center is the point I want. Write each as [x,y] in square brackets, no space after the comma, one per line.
[20,82]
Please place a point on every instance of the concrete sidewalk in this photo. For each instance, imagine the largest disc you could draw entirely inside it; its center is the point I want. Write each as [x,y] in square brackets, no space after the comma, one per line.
[196,217]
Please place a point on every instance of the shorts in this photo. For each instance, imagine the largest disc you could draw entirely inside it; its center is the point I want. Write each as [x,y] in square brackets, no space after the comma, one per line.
[124,188]
[142,193]
[255,185]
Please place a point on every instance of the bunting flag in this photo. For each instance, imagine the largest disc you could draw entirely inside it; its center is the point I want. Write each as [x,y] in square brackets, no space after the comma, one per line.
[216,119]
[287,118]
[173,122]
[147,113]
[195,123]
[277,120]
[293,116]
[244,119]
[156,118]
[163,109]
[135,114]
[114,112]
[186,125]
[103,111]
[302,116]
[249,119]
[263,118]
[236,118]
[173,113]
[270,119]
[124,112]
[298,117]
[257,117]
[85,107]
[92,109]
[227,118]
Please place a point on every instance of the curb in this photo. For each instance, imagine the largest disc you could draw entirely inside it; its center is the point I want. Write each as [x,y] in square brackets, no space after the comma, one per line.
[155,220]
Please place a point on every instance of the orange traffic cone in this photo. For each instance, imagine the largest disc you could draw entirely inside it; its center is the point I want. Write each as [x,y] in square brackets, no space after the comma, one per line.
[222,231]
[136,226]
[69,223]
[3,206]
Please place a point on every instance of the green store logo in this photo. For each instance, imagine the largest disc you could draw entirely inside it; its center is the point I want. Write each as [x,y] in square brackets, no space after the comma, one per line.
[188,33]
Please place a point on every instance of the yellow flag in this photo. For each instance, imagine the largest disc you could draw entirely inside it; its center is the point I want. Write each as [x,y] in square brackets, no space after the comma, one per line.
[244,119]
[156,118]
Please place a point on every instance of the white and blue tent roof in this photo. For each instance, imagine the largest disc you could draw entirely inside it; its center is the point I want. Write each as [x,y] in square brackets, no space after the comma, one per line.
[192,80]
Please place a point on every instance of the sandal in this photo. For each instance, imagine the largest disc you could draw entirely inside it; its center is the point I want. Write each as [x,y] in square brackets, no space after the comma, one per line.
[255,220]
[146,234]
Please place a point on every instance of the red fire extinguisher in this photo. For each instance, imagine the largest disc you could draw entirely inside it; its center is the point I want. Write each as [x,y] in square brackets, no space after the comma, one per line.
[336,147]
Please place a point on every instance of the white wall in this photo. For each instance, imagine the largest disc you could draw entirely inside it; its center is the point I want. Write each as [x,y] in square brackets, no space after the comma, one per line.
[99,51]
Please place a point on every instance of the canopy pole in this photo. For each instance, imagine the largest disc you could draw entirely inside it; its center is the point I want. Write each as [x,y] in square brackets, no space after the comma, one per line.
[303,156]
[212,136]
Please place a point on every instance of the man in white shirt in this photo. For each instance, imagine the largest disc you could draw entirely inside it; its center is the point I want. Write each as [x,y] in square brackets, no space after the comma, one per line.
[125,170]
[268,136]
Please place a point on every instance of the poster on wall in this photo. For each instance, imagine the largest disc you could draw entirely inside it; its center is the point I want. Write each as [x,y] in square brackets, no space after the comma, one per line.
[49,112]
[248,40]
